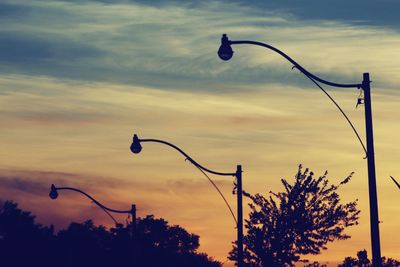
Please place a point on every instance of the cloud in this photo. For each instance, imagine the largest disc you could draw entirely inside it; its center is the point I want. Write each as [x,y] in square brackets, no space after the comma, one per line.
[182,202]
[173,46]
[358,12]
[371,12]
[23,48]
[38,182]
[20,185]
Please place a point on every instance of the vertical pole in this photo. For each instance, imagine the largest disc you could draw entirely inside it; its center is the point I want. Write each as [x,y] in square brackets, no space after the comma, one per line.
[373,199]
[133,214]
[239,215]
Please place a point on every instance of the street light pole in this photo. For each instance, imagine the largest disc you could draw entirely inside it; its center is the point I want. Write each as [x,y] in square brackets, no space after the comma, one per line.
[136,148]
[54,195]
[240,215]
[133,215]
[225,52]
[373,198]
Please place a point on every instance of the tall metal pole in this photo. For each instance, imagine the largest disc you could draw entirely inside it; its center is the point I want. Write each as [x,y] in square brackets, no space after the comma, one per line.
[373,199]
[133,214]
[239,215]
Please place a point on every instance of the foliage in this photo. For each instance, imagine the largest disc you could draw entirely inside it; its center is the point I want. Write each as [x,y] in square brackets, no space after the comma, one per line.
[363,261]
[21,238]
[300,220]
[315,264]
[23,242]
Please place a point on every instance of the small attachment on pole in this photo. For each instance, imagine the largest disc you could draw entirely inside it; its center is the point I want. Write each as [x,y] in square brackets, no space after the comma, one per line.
[394,180]
[360,99]
[133,214]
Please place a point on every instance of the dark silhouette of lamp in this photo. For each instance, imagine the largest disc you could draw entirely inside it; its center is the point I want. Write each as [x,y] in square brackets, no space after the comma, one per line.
[136,147]
[225,51]
[53,192]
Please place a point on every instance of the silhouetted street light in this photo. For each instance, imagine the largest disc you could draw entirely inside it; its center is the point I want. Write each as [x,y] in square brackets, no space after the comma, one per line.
[136,147]
[225,52]
[54,195]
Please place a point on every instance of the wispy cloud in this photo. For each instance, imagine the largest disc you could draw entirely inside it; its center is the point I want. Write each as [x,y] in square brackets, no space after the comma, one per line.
[168,199]
[127,42]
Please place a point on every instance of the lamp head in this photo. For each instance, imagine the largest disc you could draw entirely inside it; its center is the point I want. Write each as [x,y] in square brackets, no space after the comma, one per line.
[136,147]
[53,192]
[225,51]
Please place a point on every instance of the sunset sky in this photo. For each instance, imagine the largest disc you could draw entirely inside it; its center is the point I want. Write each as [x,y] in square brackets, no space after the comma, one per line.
[78,78]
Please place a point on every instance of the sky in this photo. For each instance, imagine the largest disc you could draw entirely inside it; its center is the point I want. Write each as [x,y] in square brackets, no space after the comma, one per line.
[78,78]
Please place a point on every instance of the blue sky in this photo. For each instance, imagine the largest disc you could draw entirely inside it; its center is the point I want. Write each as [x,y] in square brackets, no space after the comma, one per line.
[157,44]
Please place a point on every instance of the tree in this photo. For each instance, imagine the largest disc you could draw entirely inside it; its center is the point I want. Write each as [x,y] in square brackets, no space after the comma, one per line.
[168,246]
[300,220]
[84,244]
[363,258]
[349,262]
[315,264]
[23,242]
[363,261]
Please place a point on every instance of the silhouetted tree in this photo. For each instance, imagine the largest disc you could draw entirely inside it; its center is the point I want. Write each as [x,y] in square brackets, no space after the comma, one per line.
[169,246]
[315,264]
[300,220]
[349,262]
[84,245]
[363,261]
[363,258]
[23,242]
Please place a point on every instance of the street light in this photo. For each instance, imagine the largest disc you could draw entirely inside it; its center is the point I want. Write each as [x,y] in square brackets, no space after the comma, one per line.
[54,195]
[136,147]
[225,52]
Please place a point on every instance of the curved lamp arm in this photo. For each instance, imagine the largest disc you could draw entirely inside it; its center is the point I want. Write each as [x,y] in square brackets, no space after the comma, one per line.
[54,194]
[136,148]
[225,52]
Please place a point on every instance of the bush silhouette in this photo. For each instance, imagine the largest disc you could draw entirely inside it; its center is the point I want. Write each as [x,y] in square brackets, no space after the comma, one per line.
[23,242]
[363,261]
